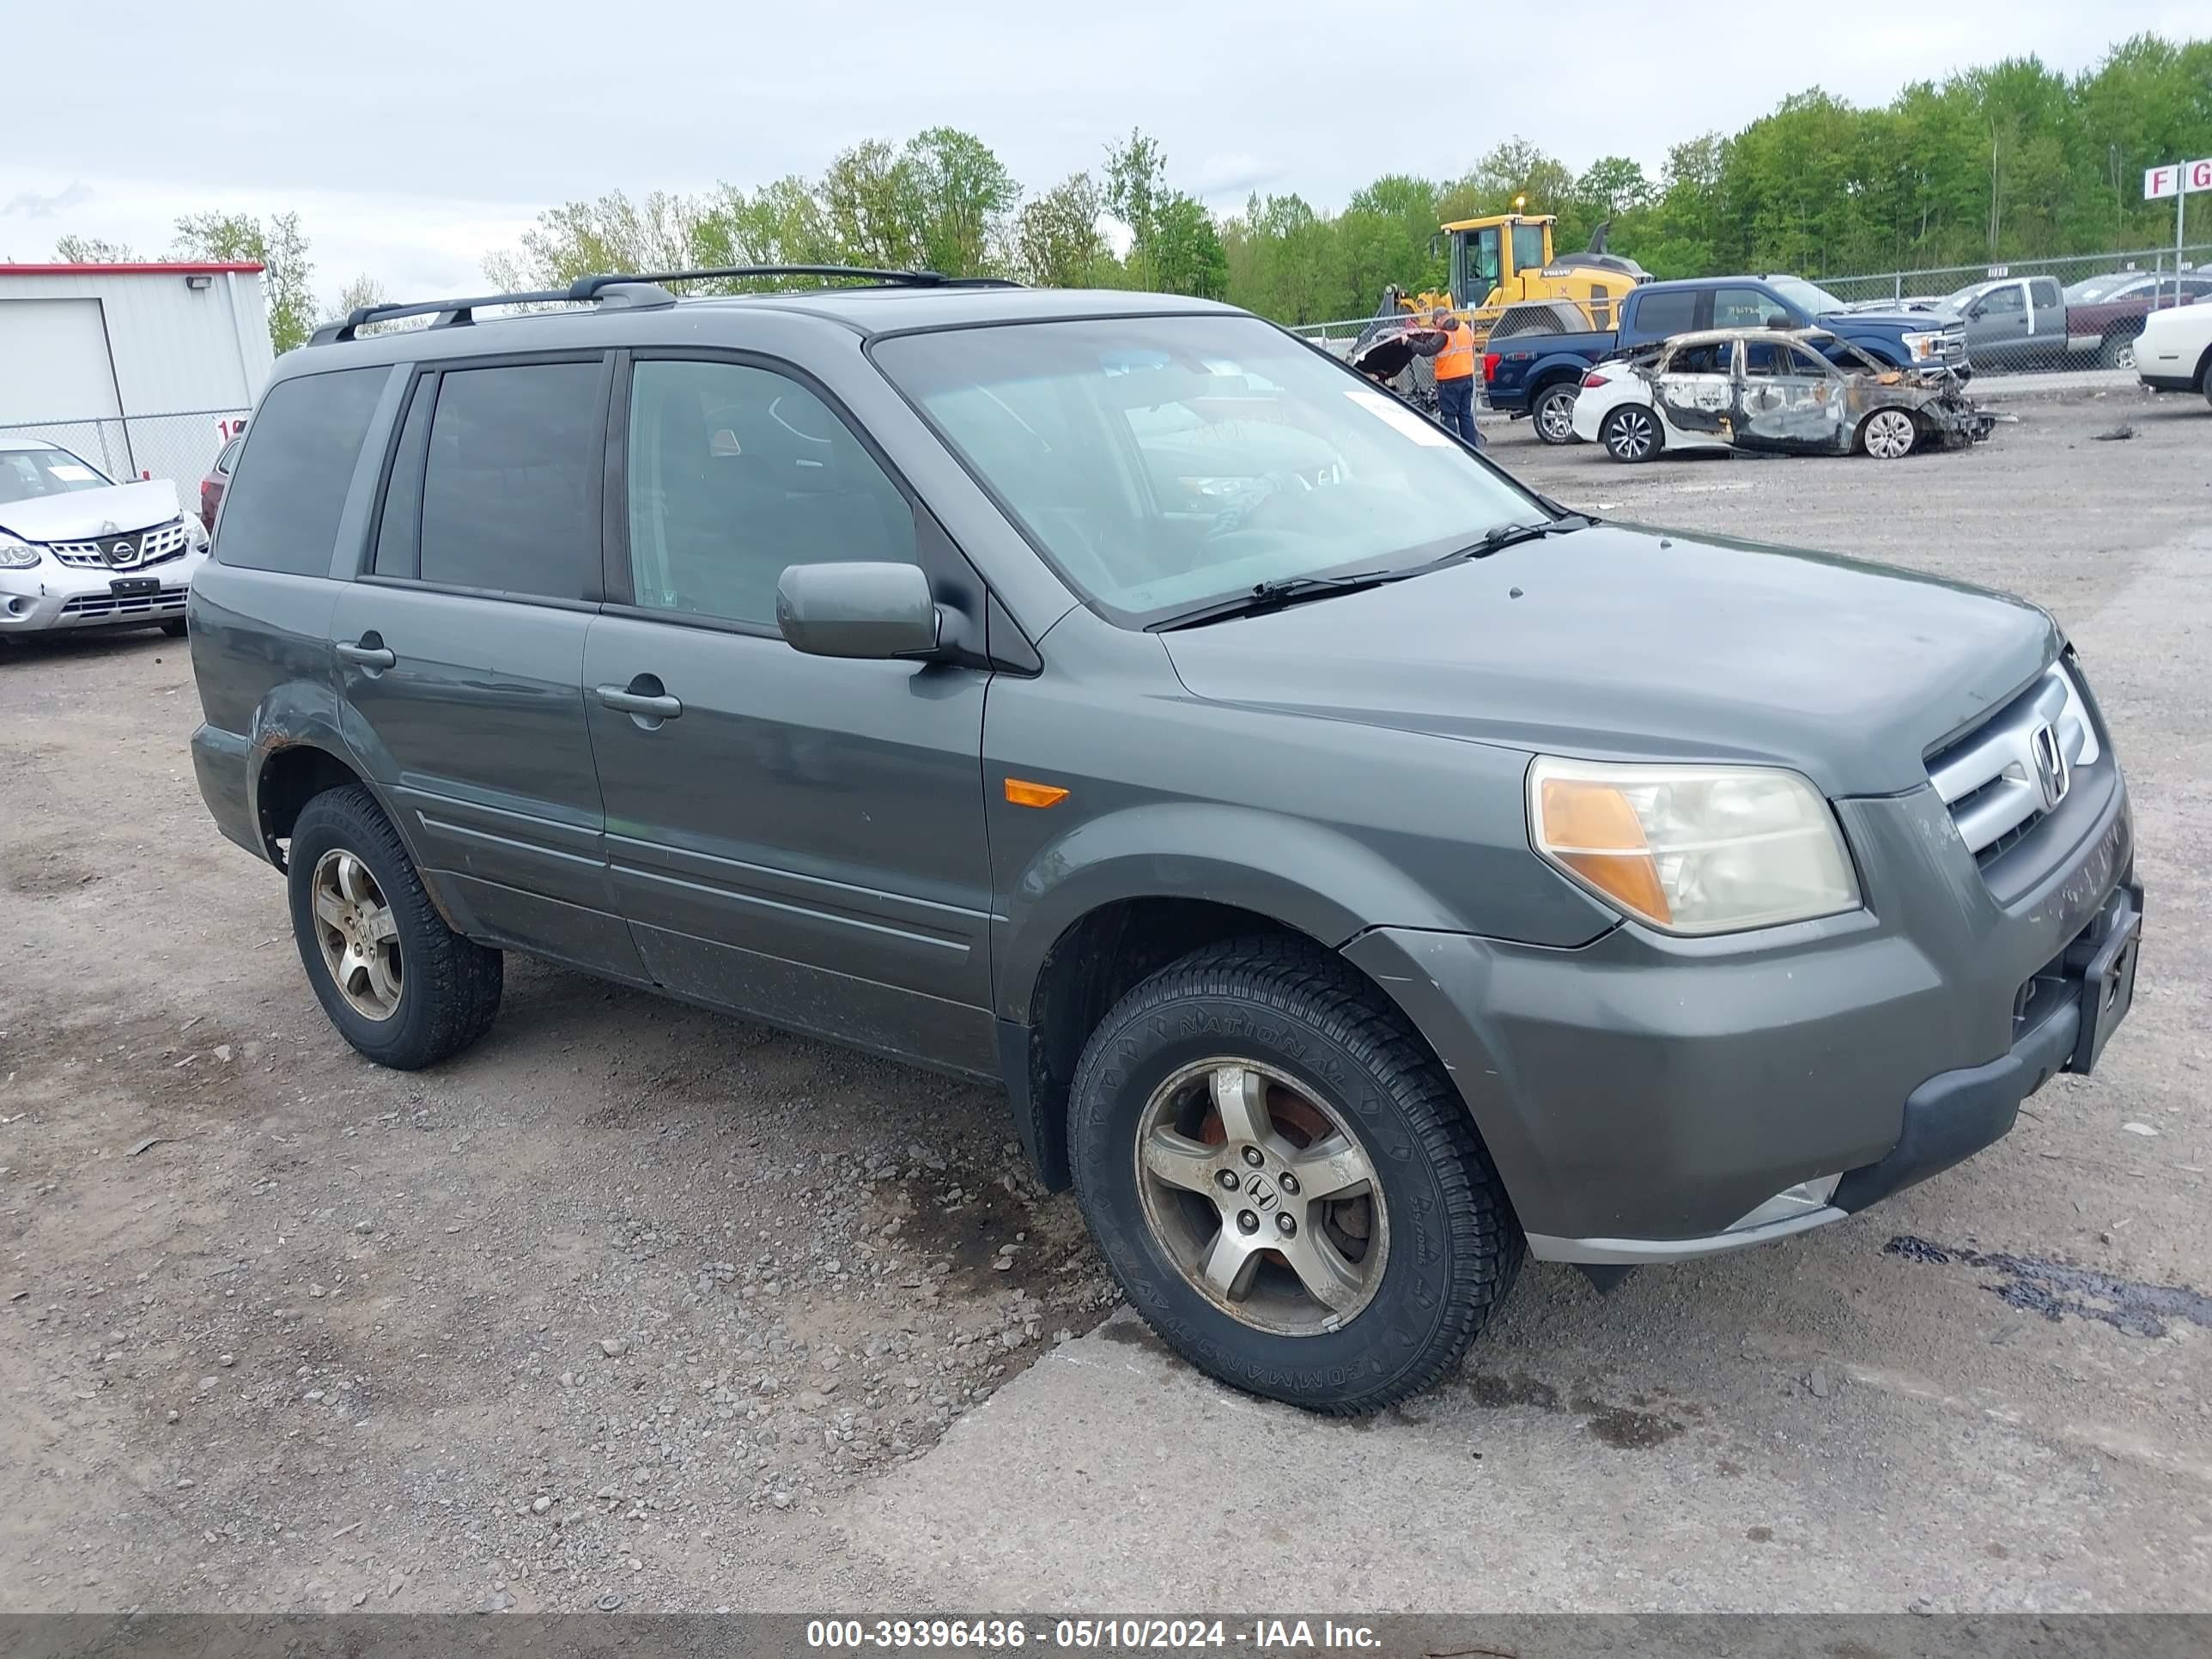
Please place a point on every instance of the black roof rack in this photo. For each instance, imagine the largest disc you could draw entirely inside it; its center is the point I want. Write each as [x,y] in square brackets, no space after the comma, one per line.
[585,287]
[626,288]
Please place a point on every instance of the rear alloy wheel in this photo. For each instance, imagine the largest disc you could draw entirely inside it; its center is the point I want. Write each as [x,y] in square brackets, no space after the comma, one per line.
[1284,1183]
[2118,351]
[400,985]
[1889,435]
[1630,434]
[1554,413]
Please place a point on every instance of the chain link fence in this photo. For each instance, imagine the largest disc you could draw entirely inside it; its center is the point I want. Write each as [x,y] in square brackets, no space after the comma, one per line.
[180,446]
[2023,316]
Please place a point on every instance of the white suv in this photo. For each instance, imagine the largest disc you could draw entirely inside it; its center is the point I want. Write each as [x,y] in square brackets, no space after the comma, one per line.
[2174,351]
[78,550]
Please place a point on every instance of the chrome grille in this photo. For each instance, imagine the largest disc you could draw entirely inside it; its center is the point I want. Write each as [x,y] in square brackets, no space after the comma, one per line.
[139,605]
[2002,777]
[133,550]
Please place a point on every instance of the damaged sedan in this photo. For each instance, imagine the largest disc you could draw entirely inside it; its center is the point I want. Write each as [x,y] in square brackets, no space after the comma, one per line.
[1771,391]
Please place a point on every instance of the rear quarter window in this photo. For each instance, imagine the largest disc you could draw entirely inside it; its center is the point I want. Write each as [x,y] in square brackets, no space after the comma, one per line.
[281,510]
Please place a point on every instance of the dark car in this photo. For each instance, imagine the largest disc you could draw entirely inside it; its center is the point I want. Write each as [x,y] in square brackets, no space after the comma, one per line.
[2104,315]
[211,486]
[1359,874]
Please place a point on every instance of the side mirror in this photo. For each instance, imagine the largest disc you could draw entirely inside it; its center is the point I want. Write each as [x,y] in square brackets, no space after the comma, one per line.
[872,612]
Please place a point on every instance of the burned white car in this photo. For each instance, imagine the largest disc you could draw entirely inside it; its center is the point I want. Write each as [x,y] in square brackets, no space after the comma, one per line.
[1780,390]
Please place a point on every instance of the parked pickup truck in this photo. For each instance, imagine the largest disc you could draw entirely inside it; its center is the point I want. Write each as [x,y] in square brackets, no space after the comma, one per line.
[1539,375]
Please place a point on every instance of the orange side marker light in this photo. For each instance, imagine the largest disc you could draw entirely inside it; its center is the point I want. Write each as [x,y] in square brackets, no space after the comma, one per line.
[1023,792]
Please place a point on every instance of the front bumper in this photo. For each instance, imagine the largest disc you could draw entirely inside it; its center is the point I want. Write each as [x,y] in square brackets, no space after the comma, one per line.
[52,596]
[1644,1096]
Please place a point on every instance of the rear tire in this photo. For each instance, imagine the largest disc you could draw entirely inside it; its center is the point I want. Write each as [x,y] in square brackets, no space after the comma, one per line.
[400,986]
[1553,414]
[2118,351]
[1247,1062]
[1631,433]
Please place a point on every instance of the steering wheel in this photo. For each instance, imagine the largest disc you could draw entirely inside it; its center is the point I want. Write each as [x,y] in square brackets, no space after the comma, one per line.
[1241,512]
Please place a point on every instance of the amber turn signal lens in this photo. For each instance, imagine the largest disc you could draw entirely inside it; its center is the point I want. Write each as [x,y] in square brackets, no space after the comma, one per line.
[1023,792]
[1590,828]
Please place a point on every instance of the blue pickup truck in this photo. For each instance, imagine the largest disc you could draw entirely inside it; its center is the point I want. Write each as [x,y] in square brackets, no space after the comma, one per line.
[1539,375]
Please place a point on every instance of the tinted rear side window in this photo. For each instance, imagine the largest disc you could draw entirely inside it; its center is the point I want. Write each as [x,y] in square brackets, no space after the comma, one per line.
[510,499]
[1674,312]
[281,509]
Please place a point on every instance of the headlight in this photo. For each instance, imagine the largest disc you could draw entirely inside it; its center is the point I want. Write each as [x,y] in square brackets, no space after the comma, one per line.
[16,554]
[1693,849]
[1924,346]
[196,536]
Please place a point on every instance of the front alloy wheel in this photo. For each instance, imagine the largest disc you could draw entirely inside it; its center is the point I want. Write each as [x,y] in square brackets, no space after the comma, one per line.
[1889,435]
[1283,1180]
[1261,1197]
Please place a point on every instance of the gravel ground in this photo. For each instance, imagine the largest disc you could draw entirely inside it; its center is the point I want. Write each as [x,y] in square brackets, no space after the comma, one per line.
[634,1302]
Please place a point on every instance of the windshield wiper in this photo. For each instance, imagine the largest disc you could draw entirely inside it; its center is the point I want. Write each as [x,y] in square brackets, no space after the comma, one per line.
[1512,535]
[1274,595]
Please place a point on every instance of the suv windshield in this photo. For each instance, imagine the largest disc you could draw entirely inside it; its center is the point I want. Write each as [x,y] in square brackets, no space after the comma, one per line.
[25,474]
[1161,463]
[1809,297]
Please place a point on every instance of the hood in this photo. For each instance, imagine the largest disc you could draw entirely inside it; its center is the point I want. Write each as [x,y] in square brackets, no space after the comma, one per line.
[1618,642]
[1920,318]
[84,515]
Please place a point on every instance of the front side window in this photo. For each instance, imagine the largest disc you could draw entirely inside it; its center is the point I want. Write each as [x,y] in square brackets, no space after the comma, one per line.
[1484,249]
[508,502]
[1999,301]
[27,474]
[1164,463]
[1746,307]
[1768,359]
[736,473]
[281,510]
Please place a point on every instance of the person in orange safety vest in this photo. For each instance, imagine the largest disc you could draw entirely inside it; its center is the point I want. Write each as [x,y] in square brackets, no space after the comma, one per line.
[1456,366]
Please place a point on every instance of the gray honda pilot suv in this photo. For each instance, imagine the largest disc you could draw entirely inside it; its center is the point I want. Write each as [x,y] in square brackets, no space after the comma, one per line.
[1356,869]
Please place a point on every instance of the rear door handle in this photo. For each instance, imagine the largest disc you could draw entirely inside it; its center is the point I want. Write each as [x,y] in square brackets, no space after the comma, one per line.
[646,705]
[371,652]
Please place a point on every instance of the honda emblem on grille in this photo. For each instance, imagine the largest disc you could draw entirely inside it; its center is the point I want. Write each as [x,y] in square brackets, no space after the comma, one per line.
[2050,774]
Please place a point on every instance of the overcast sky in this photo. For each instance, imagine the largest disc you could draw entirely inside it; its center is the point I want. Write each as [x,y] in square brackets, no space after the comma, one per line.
[411,150]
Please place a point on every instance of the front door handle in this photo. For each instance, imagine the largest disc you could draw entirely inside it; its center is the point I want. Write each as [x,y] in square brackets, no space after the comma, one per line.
[644,698]
[371,652]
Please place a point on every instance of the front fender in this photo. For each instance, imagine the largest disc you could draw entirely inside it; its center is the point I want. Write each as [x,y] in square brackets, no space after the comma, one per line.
[1318,881]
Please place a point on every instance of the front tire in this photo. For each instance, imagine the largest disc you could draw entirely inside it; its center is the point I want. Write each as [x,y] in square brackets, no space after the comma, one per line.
[1887,435]
[400,986]
[1631,433]
[175,628]
[1365,1240]
[1553,414]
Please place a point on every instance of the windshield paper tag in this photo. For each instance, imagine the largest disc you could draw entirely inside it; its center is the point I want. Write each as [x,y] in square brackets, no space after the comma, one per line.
[70,472]
[1394,414]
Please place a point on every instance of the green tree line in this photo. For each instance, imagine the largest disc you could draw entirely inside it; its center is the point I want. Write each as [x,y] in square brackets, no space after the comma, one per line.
[2013,161]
